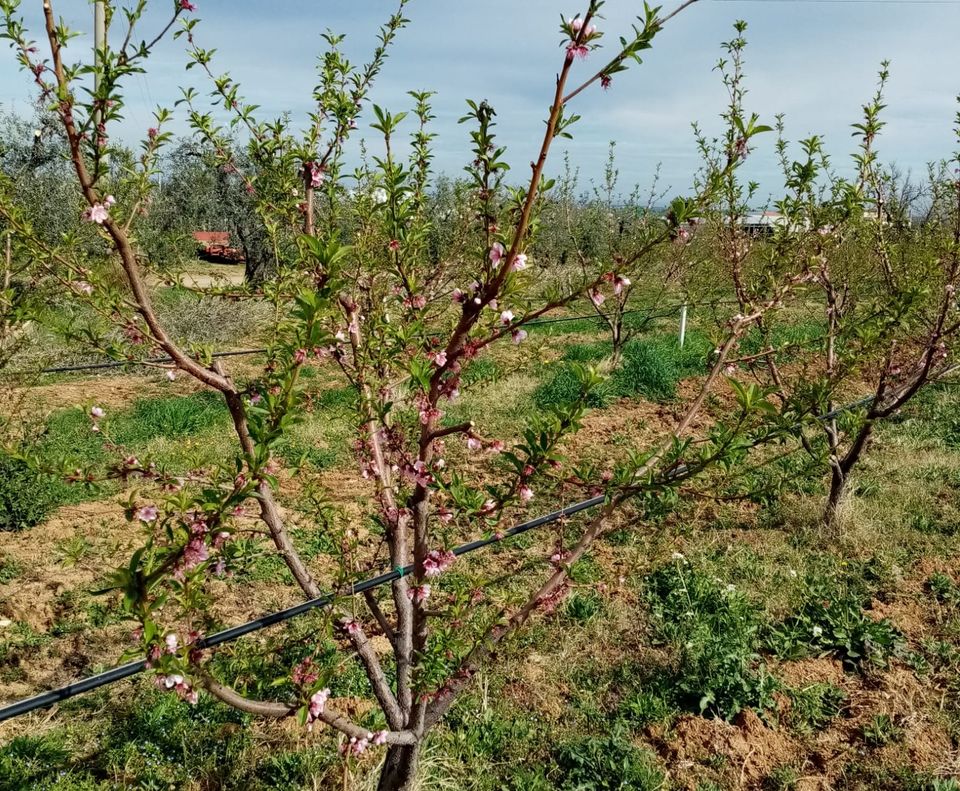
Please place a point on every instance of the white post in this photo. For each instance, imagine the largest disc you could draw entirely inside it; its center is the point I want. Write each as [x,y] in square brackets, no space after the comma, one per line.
[99,43]
[99,36]
[683,324]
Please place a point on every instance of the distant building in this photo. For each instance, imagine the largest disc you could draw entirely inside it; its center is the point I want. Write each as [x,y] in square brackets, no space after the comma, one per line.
[762,223]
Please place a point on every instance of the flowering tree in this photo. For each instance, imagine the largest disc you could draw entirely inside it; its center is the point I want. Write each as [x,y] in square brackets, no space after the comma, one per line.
[358,288]
[887,295]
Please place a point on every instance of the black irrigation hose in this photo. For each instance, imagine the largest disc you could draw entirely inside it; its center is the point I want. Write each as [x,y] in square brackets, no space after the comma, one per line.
[133,668]
[99,366]
[228,635]
[535,323]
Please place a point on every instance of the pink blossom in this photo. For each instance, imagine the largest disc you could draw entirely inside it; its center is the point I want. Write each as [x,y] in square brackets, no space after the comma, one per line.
[109,201]
[473,443]
[171,375]
[96,412]
[419,593]
[355,746]
[458,296]
[394,245]
[439,359]
[620,282]
[597,298]
[497,446]
[526,494]
[83,287]
[352,627]
[146,513]
[519,336]
[220,539]
[317,703]
[493,304]
[186,5]
[172,643]
[576,25]
[437,561]
[496,253]
[519,263]
[577,51]
[429,413]
[97,213]
[194,553]
[303,673]
[315,172]
[606,81]
[380,737]
[300,356]
[506,317]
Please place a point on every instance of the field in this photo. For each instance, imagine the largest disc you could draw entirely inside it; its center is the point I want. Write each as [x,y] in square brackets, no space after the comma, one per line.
[717,645]
[458,475]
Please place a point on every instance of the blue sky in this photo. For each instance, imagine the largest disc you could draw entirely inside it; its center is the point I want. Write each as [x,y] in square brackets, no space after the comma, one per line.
[816,62]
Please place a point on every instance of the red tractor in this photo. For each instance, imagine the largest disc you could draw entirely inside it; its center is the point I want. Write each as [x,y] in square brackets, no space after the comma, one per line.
[214,246]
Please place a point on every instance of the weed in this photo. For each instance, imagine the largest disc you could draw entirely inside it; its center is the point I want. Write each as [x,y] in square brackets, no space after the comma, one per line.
[72,550]
[881,730]
[944,589]
[172,417]
[782,778]
[565,387]
[10,569]
[583,606]
[714,629]
[26,760]
[606,764]
[832,620]
[813,707]
[26,495]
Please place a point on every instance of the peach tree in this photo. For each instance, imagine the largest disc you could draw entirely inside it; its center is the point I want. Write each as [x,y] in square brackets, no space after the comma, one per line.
[359,290]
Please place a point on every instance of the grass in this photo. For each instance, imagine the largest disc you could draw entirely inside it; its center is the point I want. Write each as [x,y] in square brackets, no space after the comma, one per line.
[599,694]
[651,369]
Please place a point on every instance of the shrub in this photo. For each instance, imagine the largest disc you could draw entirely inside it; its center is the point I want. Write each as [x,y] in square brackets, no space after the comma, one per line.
[714,630]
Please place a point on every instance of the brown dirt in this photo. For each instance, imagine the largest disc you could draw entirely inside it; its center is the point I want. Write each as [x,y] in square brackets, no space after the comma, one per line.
[746,750]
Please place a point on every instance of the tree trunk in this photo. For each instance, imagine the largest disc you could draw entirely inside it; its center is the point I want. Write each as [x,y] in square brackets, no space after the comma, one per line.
[838,486]
[400,768]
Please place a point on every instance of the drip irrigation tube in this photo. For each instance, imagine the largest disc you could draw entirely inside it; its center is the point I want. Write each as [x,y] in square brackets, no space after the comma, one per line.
[228,635]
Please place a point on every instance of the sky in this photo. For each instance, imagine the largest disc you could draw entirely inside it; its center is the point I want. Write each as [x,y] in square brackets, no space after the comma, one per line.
[815,61]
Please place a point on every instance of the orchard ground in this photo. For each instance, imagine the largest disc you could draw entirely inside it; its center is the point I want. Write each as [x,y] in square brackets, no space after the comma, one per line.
[721,644]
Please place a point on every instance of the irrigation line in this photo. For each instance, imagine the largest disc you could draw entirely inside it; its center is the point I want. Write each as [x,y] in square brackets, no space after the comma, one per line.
[133,668]
[244,352]
[152,360]
[235,632]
